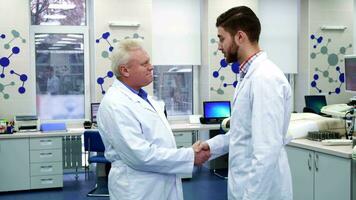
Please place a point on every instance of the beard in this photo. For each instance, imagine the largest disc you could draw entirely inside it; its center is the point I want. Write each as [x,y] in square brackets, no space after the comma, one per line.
[232,55]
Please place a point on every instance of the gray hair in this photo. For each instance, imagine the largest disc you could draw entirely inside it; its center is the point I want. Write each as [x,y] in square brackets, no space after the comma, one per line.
[121,54]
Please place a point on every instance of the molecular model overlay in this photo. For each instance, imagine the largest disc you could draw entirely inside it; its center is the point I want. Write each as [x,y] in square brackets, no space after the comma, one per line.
[6,63]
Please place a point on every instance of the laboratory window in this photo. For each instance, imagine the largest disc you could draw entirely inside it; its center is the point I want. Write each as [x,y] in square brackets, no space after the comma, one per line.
[58,12]
[174,86]
[59,76]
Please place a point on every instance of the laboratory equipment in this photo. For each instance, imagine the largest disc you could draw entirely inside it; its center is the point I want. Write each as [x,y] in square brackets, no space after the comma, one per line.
[337,110]
[323,135]
[26,123]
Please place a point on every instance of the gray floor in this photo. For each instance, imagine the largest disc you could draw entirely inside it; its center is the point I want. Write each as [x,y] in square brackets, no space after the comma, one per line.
[204,185]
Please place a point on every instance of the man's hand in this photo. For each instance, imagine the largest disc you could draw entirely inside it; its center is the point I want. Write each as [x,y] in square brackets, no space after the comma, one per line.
[202,152]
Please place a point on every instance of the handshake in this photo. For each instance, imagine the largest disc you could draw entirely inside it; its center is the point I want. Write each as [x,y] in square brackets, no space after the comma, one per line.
[202,152]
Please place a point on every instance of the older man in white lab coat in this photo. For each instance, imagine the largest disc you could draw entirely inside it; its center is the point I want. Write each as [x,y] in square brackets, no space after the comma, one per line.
[258,164]
[137,137]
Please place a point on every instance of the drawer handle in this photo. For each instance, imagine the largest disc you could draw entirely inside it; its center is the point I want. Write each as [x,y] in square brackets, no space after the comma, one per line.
[180,134]
[46,168]
[46,154]
[47,181]
[46,142]
[309,161]
[316,162]
[180,146]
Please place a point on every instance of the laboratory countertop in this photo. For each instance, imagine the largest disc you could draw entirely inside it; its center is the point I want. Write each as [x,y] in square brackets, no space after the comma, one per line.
[80,131]
[340,151]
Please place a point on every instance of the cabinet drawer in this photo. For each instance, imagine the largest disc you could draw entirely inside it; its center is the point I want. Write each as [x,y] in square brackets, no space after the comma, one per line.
[50,155]
[44,169]
[38,182]
[183,137]
[46,143]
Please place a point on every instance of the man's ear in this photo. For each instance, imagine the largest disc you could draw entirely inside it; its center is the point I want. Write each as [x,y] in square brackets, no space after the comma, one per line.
[123,71]
[239,37]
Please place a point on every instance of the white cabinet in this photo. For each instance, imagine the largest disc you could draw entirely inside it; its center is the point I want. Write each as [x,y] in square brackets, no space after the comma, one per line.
[30,163]
[14,164]
[184,139]
[46,162]
[319,176]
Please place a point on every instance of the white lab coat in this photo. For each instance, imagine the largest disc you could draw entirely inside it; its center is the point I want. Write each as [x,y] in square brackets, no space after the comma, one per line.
[140,144]
[261,108]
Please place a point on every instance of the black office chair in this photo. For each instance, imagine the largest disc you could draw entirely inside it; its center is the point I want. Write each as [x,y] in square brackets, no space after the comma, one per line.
[93,143]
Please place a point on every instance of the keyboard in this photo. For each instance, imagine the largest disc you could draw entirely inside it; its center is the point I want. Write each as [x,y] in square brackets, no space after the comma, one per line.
[336,142]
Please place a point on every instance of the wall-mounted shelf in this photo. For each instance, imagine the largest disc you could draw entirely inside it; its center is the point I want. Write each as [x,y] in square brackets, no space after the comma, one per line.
[123,24]
[333,28]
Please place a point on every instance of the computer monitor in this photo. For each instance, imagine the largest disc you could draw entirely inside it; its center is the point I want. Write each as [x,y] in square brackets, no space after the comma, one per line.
[93,110]
[315,102]
[350,73]
[217,110]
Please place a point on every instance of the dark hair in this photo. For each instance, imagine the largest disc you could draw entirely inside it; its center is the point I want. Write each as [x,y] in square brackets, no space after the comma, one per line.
[240,18]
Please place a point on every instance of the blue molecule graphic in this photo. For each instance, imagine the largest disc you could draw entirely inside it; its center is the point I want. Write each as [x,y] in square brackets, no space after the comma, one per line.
[6,61]
[235,70]
[332,60]
[318,40]
[101,80]
[23,78]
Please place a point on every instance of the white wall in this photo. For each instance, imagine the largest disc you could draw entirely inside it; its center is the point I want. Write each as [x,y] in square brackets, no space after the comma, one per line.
[176,32]
[106,11]
[279,32]
[14,15]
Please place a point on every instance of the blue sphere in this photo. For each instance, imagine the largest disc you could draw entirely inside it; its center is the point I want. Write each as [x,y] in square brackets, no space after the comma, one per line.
[223,63]
[316,77]
[4,61]
[215,74]
[111,48]
[2,36]
[2,75]
[320,39]
[313,84]
[337,68]
[97,40]
[23,77]
[342,77]
[100,81]
[106,35]
[22,90]
[12,71]
[235,67]
[225,85]
[110,74]
[15,50]
[235,84]
[337,90]
[312,37]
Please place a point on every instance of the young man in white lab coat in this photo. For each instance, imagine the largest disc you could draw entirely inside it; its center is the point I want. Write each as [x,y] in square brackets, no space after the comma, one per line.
[137,137]
[258,163]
